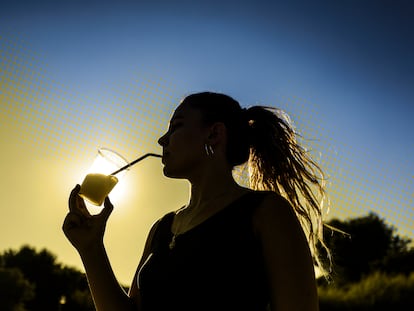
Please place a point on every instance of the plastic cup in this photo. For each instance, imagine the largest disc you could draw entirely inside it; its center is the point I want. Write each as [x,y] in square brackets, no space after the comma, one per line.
[99,182]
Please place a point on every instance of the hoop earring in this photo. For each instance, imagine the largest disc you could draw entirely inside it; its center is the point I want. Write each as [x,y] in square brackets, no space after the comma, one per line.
[209,150]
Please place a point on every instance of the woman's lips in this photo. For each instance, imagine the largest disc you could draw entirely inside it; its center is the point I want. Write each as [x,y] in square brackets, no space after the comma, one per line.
[164,156]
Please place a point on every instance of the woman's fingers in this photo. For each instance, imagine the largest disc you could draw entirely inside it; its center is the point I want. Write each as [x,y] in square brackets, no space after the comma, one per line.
[72,220]
[80,227]
[73,198]
[82,207]
[77,204]
[107,210]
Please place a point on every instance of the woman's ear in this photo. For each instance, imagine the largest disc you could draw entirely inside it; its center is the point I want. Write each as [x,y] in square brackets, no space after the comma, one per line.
[217,134]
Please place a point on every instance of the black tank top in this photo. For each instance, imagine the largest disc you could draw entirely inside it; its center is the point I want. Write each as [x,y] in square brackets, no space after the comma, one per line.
[217,265]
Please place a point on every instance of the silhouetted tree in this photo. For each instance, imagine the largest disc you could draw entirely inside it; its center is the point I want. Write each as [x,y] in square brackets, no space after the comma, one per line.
[369,244]
[53,283]
[40,269]
[373,267]
[15,290]
[75,290]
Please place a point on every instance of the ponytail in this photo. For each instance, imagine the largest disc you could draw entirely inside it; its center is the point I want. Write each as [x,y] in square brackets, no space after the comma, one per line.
[279,163]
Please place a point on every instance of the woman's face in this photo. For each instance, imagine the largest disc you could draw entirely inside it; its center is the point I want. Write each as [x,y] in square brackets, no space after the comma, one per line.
[183,143]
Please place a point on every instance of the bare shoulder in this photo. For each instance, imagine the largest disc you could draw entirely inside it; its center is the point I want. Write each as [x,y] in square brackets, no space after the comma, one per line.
[275,214]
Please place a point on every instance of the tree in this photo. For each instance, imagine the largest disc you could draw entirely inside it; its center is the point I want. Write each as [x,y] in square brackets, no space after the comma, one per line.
[368,244]
[53,283]
[15,290]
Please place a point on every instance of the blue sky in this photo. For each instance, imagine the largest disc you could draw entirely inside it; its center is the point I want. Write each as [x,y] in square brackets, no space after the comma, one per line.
[344,71]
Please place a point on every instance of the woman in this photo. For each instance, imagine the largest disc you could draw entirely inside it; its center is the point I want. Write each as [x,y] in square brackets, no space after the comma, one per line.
[230,247]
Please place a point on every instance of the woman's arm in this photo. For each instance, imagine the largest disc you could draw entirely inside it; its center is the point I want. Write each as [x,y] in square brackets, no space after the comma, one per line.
[287,256]
[86,232]
[134,290]
[107,294]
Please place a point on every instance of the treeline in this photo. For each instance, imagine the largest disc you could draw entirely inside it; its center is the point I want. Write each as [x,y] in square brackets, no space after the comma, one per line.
[373,269]
[33,280]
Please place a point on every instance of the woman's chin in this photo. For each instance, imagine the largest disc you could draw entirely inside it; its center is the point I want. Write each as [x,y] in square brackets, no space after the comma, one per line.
[168,173]
[172,174]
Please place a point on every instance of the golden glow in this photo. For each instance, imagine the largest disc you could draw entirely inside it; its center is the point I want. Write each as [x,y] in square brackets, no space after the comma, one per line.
[99,182]
[108,161]
[95,187]
[49,137]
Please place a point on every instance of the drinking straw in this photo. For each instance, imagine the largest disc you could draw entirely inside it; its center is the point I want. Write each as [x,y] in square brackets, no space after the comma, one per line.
[136,161]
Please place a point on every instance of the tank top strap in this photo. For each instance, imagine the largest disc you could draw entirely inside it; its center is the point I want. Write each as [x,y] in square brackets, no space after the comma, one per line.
[162,232]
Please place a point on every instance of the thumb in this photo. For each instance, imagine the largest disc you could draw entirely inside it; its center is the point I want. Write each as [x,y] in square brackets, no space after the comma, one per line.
[107,210]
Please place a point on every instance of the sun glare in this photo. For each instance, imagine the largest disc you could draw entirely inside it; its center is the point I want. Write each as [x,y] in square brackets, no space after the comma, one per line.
[106,162]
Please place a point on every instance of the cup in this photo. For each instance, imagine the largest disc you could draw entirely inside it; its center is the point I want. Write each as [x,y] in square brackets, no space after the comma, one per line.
[99,181]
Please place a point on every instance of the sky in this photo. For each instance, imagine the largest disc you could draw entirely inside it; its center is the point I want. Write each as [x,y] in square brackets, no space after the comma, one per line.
[79,75]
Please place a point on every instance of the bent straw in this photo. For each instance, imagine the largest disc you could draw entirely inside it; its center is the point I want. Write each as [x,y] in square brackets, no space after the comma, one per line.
[136,161]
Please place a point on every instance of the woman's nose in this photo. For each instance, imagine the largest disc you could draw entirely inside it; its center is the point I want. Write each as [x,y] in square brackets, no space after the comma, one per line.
[162,141]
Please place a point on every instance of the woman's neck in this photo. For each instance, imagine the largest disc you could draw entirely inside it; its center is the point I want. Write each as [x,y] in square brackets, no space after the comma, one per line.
[212,187]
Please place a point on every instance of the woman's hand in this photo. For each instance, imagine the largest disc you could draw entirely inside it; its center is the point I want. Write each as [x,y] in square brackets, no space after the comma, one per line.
[81,228]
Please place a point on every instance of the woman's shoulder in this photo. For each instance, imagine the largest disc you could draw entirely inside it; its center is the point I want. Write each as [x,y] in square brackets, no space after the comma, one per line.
[167,217]
[260,199]
[268,198]
[274,211]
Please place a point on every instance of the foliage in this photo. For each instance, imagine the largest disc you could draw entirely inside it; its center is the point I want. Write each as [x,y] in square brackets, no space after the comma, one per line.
[378,291]
[52,283]
[363,245]
[373,267]
[15,290]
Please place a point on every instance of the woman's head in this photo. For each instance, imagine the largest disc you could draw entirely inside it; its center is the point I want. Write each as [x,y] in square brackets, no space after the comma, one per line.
[207,131]
[216,107]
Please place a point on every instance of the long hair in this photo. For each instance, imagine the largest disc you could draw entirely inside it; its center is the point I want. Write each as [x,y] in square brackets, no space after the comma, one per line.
[264,138]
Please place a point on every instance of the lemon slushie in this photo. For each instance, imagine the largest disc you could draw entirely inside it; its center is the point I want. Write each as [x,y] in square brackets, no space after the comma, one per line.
[95,187]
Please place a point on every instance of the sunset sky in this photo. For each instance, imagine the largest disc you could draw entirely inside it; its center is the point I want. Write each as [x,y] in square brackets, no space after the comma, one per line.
[79,75]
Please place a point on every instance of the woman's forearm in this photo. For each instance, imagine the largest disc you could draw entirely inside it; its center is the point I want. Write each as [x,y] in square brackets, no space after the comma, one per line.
[106,291]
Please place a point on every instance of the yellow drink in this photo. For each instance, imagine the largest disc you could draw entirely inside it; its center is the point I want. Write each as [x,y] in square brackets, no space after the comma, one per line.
[96,187]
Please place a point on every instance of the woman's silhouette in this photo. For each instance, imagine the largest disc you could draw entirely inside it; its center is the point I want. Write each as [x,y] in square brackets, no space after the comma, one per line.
[230,247]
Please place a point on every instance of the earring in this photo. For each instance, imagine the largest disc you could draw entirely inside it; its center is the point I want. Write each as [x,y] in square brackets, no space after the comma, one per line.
[209,150]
